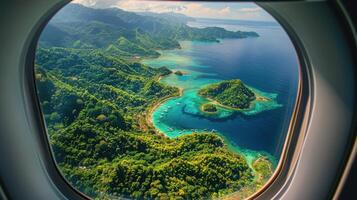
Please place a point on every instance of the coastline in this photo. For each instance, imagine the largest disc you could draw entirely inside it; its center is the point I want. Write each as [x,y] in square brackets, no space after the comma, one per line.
[152,108]
[258,98]
[207,112]
[252,158]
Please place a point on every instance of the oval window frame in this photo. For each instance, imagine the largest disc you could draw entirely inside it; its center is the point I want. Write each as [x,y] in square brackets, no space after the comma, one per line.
[293,139]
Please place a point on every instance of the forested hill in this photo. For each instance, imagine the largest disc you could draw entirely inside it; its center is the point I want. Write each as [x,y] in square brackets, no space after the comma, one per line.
[232,93]
[125,33]
[95,101]
[175,17]
[94,106]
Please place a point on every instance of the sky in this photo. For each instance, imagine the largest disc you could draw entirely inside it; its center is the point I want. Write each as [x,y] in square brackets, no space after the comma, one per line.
[217,10]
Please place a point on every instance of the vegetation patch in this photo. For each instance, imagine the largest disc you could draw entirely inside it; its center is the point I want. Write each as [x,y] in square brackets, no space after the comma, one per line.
[95,97]
[230,93]
[209,108]
[179,73]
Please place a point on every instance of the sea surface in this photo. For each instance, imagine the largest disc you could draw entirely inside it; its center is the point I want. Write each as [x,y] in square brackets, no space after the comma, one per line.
[267,64]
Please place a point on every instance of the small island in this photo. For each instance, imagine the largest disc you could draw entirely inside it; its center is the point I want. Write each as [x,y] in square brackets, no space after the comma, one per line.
[209,108]
[164,71]
[179,73]
[230,93]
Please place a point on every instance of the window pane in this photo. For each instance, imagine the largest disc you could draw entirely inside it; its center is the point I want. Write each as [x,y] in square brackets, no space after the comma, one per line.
[182,100]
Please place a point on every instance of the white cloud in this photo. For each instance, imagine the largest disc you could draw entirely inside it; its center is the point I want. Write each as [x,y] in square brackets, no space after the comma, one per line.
[192,9]
[89,3]
[257,9]
[96,3]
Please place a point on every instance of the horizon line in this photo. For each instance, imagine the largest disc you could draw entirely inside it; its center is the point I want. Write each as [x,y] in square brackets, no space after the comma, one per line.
[137,12]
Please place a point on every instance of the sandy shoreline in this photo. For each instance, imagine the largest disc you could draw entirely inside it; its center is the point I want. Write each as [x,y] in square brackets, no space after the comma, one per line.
[258,98]
[149,113]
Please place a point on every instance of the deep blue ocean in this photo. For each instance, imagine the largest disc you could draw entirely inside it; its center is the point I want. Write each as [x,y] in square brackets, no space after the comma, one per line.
[267,63]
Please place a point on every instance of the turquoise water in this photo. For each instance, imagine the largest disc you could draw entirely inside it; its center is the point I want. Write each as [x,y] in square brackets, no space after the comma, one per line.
[270,71]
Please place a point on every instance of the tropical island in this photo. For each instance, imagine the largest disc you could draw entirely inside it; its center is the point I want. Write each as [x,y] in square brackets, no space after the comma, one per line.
[179,73]
[209,108]
[232,94]
[95,99]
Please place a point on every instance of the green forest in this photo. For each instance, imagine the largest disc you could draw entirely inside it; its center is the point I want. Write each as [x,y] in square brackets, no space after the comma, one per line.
[95,96]
[208,107]
[232,93]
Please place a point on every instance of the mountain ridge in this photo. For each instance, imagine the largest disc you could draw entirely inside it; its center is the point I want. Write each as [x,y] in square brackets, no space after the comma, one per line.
[80,27]
[95,99]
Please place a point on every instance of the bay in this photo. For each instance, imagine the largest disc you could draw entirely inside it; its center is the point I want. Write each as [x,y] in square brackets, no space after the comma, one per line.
[267,64]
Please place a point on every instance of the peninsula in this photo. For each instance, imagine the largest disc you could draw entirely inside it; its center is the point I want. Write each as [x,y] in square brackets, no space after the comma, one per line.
[97,94]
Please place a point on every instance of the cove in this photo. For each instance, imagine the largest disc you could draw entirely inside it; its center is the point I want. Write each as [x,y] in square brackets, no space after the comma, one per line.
[267,65]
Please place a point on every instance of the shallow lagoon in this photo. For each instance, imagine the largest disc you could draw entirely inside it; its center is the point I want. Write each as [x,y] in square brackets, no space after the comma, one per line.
[267,64]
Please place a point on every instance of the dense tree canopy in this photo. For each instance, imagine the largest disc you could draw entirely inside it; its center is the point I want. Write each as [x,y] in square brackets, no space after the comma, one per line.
[121,33]
[232,93]
[95,98]
[208,107]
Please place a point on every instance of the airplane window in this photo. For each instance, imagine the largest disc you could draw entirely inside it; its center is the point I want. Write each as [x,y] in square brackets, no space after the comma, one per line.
[166,100]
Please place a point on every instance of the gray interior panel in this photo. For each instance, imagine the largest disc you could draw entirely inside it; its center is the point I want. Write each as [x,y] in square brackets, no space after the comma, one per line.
[27,171]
